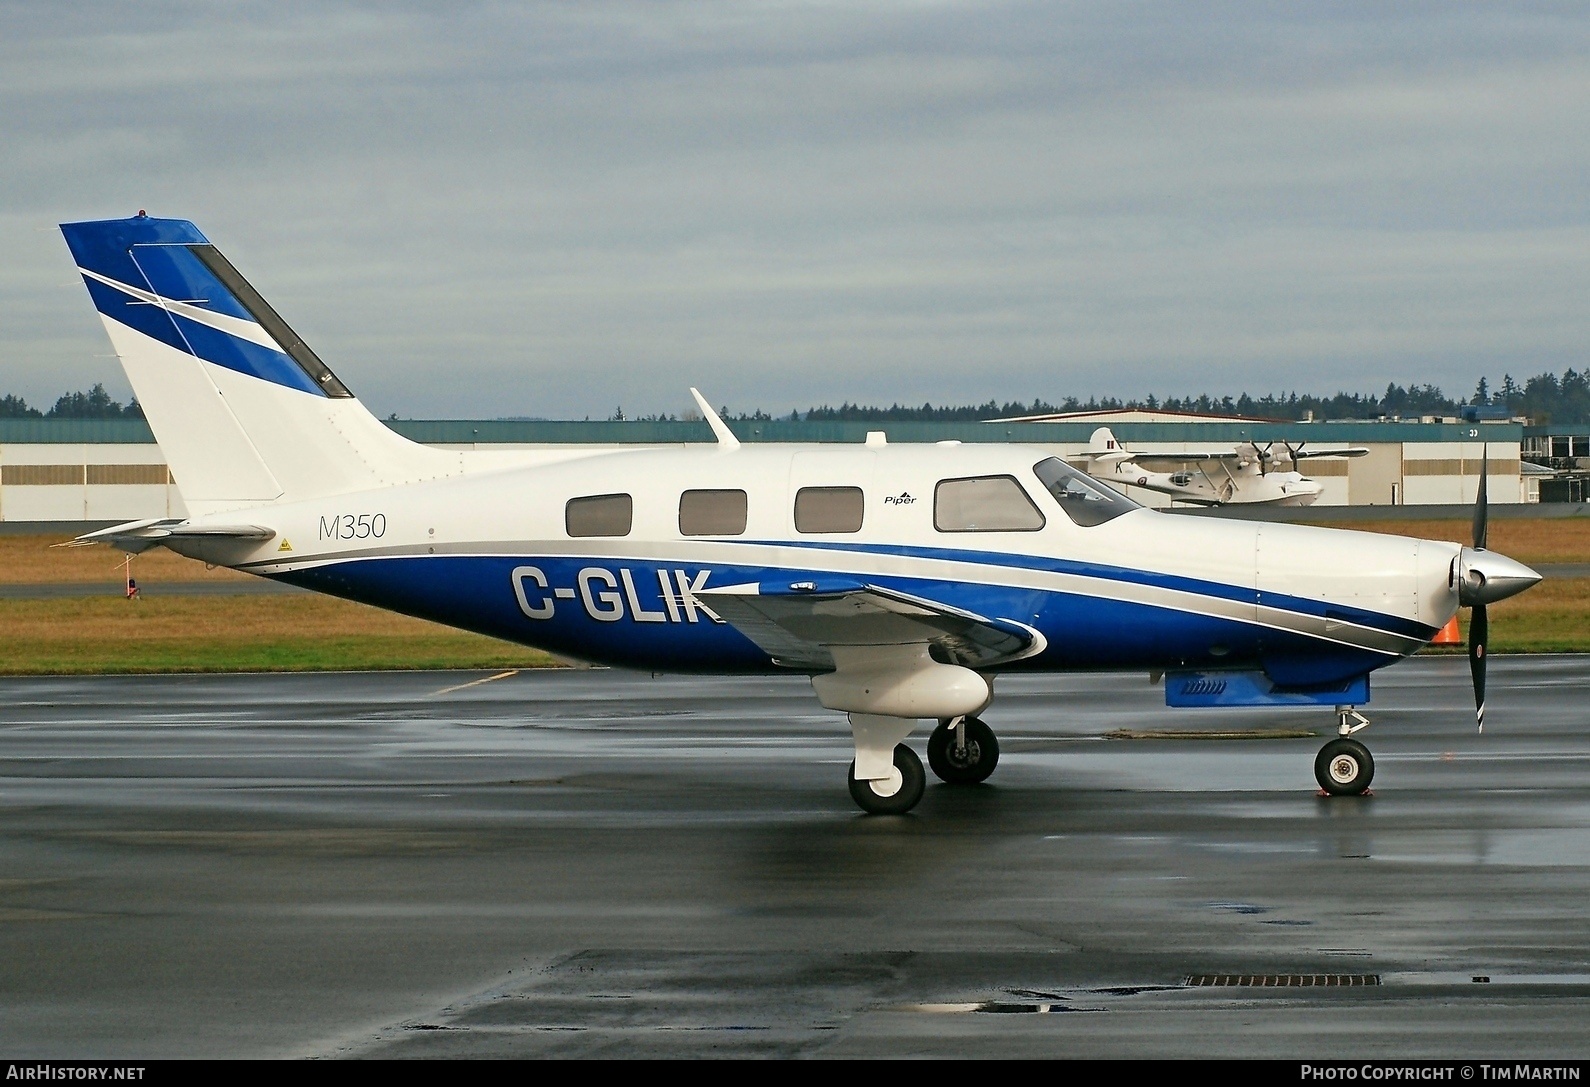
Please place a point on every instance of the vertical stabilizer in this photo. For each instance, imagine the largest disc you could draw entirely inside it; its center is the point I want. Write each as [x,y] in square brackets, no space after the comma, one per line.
[242,408]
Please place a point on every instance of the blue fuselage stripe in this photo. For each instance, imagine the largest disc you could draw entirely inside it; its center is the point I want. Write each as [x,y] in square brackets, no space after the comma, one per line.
[632,613]
[1245,594]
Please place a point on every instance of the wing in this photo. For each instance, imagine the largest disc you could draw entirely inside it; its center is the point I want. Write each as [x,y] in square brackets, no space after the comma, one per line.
[1304,454]
[1169,462]
[797,624]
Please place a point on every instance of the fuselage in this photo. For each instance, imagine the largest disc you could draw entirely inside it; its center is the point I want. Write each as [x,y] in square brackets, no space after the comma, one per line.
[505,553]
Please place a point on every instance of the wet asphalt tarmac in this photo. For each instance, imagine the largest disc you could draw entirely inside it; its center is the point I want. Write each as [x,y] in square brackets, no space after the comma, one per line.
[597,863]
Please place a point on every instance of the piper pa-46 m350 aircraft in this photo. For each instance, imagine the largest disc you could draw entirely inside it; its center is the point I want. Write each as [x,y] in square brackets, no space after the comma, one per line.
[903,579]
[1248,474]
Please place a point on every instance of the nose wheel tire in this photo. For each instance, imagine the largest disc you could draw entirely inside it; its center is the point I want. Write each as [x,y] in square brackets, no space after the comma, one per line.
[958,765]
[1344,767]
[896,794]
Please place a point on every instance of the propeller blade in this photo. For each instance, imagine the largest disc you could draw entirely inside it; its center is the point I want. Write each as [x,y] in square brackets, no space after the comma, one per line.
[1479,631]
[1481,506]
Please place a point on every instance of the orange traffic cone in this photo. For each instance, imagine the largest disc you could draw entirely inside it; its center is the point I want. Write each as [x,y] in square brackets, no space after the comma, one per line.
[1449,634]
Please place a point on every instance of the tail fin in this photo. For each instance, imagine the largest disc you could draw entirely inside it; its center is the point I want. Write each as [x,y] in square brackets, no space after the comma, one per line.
[244,411]
[1102,444]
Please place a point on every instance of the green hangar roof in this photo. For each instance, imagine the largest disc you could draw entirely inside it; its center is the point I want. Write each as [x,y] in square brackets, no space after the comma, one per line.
[574,432]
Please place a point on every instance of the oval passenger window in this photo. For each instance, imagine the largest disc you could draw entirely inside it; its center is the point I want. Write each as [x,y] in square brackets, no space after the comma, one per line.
[599,515]
[829,509]
[712,513]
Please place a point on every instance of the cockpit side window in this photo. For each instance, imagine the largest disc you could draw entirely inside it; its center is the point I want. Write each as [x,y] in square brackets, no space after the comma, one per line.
[984,504]
[1085,500]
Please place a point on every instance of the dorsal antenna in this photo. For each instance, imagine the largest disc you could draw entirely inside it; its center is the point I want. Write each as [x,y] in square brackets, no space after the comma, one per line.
[725,436]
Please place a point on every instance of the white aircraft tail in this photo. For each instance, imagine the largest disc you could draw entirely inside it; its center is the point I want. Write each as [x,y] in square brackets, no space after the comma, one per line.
[1104,446]
[243,410]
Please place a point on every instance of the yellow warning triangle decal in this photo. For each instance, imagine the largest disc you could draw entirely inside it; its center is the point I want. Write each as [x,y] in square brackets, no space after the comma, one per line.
[285,545]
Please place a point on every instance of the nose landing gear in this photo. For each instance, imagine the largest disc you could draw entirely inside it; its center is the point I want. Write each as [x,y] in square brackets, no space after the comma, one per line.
[1344,766]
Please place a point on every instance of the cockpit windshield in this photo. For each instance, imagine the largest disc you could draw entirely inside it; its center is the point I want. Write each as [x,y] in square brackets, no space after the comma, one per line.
[1085,500]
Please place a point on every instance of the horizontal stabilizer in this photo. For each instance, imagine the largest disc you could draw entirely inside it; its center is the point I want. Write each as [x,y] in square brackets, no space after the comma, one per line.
[137,536]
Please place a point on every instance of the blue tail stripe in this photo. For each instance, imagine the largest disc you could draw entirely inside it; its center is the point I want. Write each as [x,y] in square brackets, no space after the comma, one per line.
[152,321]
[244,357]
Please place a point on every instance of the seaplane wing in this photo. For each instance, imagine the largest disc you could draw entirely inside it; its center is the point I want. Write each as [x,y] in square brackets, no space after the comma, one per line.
[903,578]
[1303,454]
[1169,462]
[799,624]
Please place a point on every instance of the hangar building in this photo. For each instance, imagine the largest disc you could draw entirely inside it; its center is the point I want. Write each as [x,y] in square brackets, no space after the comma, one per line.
[111,470]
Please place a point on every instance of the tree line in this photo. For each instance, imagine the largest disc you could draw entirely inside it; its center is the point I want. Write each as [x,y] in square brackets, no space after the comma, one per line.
[96,403]
[1544,398]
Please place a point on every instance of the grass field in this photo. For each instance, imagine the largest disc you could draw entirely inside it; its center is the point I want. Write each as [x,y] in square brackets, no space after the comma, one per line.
[96,634]
[308,633]
[1530,541]
[235,634]
[34,560]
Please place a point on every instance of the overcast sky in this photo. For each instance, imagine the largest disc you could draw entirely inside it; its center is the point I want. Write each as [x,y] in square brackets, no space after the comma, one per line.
[553,209]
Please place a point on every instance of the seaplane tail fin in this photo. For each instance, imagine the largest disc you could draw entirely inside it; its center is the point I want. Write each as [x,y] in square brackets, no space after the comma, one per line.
[244,411]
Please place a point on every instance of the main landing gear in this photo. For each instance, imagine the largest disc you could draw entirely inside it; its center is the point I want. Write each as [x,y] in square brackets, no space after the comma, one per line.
[1344,766]
[887,777]
[963,751]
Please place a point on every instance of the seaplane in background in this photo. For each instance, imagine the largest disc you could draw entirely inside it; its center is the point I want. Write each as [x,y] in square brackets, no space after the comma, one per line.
[1248,474]
[902,579]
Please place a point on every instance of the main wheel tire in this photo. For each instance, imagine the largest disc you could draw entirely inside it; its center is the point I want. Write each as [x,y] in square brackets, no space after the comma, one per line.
[912,783]
[1344,767]
[967,767]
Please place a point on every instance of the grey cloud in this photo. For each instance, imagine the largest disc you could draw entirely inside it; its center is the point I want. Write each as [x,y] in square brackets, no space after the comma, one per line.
[496,209]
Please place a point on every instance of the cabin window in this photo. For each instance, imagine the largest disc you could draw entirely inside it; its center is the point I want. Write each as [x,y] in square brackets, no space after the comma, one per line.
[828,509]
[984,504]
[712,513]
[1084,499]
[599,515]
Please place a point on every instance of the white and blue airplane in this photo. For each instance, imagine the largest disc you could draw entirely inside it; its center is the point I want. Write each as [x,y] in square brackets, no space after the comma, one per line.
[903,579]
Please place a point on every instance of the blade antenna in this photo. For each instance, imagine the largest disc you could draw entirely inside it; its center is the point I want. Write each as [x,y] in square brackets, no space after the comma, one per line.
[720,430]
